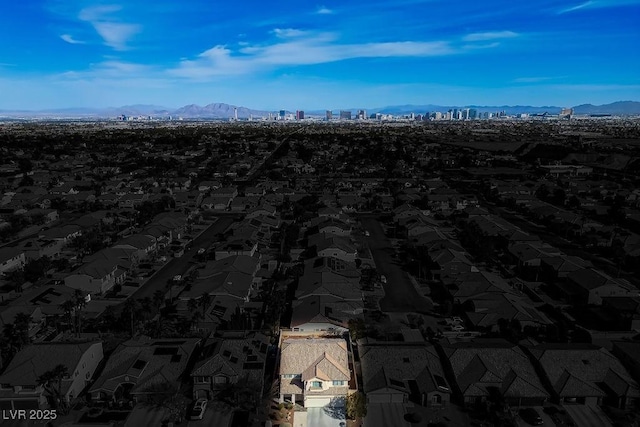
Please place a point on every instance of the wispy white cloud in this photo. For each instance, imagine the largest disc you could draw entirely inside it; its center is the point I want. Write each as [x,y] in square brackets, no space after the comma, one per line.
[599,4]
[114,33]
[323,10]
[69,39]
[286,33]
[489,35]
[318,49]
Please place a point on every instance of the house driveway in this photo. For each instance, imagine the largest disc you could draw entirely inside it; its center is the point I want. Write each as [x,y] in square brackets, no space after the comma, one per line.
[323,417]
[385,415]
[588,416]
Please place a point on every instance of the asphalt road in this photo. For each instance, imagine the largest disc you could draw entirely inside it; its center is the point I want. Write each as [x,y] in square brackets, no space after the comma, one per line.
[400,294]
[180,265]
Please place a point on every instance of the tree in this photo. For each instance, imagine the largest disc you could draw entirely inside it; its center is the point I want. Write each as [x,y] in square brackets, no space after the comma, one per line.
[68,307]
[79,303]
[131,306]
[204,301]
[356,405]
[51,381]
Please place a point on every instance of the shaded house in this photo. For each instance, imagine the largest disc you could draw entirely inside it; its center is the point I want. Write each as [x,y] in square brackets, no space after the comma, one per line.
[628,352]
[143,245]
[19,384]
[314,372]
[11,258]
[561,266]
[319,313]
[328,245]
[8,316]
[586,374]
[65,233]
[229,359]
[401,373]
[96,277]
[236,247]
[485,367]
[592,285]
[139,366]
[625,311]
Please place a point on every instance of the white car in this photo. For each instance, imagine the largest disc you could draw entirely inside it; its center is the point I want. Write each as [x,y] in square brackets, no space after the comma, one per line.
[198,409]
[177,278]
[383,278]
[457,328]
[201,251]
[457,319]
[366,233]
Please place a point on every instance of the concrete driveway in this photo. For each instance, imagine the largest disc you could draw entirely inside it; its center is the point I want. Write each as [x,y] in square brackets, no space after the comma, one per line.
[400,294]
[321,417]
[385,414]
[588,416]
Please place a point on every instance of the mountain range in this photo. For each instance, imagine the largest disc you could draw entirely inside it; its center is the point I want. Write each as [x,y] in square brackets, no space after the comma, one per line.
[226,111]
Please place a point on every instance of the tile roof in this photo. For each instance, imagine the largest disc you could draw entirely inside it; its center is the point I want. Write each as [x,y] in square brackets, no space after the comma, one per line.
[577,370]
[482,364]
[34,360]
[145,362]
[387,365]
[316,356]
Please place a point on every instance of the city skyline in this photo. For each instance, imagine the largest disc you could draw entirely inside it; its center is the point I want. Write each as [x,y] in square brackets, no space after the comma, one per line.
[65,54]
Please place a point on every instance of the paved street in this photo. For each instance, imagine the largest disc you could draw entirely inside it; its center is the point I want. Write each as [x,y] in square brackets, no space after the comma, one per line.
[180,265]
[400,294]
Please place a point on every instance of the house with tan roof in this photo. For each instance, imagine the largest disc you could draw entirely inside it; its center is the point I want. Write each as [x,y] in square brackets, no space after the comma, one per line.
[314,372]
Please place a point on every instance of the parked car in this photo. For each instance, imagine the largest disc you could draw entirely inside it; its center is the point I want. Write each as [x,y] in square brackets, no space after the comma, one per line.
[199,409]
[366,233]
[383,278]
[457,319]
[177,278]
[531,416]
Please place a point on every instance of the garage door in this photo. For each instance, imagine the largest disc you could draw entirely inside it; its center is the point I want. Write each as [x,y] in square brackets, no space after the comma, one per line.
[386,398]
[379,398]
[316,402]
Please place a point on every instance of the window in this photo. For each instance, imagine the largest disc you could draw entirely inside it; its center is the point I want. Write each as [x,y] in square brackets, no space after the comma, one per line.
[220,380]
[202,380]
[316,384]
[335,382]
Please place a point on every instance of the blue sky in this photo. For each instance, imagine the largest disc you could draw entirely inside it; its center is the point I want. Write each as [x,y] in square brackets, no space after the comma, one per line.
[329,54]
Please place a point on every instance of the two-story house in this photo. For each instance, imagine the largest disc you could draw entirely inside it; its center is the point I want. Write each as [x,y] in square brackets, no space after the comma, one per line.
[314,371]
[20,386]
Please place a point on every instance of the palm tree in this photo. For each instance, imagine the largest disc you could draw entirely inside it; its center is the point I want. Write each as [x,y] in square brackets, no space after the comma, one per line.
[192,306]
[79,303]
[69,307]
[51,381]
[22,323]
[204,301]
[131,305]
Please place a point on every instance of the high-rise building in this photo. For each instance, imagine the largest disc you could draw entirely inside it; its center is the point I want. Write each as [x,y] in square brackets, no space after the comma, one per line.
[235,113]
[328,115]
[345,115]
[299,115]
[362,114]
[282,114]
[473,114]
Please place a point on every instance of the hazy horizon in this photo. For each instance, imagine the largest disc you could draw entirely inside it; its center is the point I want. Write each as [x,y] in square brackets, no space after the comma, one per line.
[327,55]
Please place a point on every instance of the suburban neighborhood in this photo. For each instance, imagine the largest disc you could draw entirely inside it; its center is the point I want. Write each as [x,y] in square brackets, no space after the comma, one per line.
[322,274]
